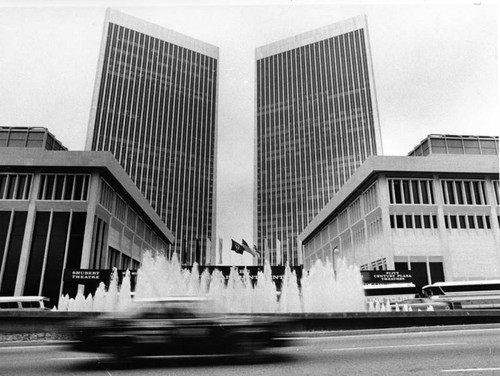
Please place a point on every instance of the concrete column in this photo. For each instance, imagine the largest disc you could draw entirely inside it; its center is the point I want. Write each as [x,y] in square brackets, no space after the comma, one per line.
[495,225]
[27,238]
[66,249]
[384,202]
[442,231]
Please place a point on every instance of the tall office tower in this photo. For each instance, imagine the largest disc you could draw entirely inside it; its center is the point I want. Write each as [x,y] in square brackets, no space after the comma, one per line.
[155,109]
[316,122]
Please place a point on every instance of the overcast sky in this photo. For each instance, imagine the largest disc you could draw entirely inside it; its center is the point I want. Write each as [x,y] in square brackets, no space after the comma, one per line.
[435,67]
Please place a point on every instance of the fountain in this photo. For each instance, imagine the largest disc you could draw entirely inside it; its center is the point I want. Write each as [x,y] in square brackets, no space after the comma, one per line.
[322,289]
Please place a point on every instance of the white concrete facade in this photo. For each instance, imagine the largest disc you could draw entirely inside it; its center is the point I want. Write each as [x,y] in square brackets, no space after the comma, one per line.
[458,227]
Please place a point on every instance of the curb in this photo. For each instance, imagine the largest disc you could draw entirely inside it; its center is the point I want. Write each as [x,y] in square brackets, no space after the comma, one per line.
[414,329]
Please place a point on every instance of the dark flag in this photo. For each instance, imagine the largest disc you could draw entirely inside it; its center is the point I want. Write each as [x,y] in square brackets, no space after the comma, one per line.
[237,247]
[253,252]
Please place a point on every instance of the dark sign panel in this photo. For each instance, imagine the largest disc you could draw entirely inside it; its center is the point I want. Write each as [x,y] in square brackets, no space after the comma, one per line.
[92,276]
[95,276]
[277,272]
[387,276]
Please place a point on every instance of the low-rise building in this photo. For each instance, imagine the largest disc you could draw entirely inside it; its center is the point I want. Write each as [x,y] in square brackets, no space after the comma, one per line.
[436,214]
[69,210]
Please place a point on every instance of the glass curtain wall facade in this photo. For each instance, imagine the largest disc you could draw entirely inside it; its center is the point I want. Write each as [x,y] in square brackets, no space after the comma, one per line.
[155,110]
[316,122]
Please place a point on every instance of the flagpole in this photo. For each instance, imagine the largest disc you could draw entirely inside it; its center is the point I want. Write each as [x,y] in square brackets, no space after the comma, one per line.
[221,250]
[191,254]
[288,251]
[282,251]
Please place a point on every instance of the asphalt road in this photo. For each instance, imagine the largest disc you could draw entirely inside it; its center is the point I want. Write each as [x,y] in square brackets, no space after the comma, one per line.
[457,352]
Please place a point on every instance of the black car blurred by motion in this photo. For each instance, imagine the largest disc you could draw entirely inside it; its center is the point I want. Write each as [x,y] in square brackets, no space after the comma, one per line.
[177,327]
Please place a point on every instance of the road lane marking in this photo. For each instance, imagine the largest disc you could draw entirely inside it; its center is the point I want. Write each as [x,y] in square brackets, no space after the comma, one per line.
[394,346]
[29,347]
[471,370]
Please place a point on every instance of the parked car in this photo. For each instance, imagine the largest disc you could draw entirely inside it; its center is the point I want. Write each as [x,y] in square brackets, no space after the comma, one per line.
[176,327]
[24,303]
[424,303]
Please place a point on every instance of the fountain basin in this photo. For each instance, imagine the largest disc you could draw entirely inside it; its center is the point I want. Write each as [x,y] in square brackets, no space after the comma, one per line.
[53,325]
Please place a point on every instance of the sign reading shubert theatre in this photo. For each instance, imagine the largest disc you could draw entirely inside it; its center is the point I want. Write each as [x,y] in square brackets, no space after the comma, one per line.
[85,276]
[387,276]
[82,275]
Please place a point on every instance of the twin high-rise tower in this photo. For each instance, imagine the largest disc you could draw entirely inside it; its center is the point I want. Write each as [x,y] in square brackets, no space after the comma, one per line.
[316,122]
[155,108]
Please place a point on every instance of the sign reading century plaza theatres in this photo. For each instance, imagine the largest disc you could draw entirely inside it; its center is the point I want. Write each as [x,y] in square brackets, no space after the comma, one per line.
[387,276]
